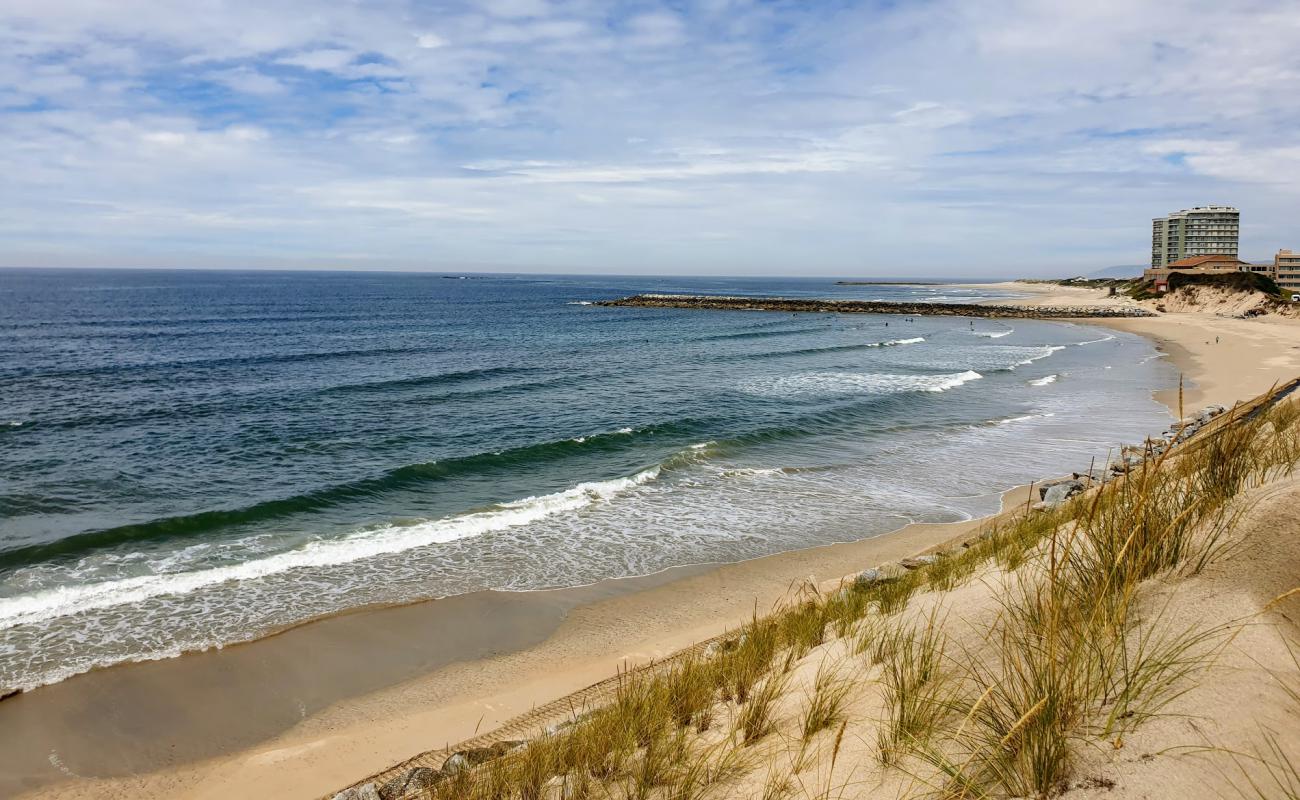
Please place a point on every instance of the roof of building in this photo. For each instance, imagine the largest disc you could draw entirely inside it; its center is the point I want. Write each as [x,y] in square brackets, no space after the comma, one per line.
[1205,210]
[1197,261]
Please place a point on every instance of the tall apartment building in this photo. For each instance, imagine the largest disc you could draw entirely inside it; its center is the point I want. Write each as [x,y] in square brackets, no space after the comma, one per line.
[1200,231]
[1286,270]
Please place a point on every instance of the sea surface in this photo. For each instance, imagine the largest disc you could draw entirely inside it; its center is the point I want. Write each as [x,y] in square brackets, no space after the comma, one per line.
[194,458]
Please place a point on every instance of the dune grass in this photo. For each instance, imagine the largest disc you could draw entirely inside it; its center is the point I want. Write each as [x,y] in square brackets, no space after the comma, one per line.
[1073,655]
[758,717]
[1072,658]
[826,702]
[915,687]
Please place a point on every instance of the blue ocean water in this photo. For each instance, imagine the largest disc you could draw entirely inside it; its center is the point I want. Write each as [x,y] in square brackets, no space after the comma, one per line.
[191,458]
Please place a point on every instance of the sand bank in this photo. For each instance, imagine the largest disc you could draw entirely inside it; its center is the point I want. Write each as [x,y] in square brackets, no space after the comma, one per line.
[323,705]
[1223,359]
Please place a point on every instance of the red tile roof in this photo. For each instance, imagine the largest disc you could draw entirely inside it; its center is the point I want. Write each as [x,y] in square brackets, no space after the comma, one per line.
[1196,261]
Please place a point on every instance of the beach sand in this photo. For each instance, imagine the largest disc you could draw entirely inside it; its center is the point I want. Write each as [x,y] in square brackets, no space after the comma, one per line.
[309,711]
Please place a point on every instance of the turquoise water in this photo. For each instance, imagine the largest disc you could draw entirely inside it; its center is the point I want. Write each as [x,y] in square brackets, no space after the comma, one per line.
[196,458]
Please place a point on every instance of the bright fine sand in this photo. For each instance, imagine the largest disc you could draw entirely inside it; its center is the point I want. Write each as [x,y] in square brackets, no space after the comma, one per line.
[309,711]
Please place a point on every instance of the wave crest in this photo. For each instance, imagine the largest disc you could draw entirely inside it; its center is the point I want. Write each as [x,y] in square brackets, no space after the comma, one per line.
[394,538]
[817,384]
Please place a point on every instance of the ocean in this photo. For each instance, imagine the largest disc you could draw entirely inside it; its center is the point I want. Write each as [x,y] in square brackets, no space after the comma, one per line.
[194,458]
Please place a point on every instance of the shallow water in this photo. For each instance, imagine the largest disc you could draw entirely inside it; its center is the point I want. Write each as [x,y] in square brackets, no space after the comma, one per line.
[196,458]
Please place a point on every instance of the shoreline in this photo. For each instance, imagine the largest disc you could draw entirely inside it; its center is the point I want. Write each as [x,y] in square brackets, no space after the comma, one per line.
[562,640]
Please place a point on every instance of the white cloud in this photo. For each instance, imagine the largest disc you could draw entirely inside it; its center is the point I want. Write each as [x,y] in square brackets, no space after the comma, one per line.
[246,80]
[327,59]
[658,29]
[531,134]
[1230,161]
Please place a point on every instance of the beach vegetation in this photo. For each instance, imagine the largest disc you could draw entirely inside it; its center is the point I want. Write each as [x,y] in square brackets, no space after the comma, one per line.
[1076,650]
[826,702]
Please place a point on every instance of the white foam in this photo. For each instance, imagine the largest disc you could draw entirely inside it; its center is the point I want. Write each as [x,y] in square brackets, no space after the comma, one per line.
[993,334]
[832,383]
[67,600]
[753,472]
[1106,338]
[895,342]
[1041,353]
[620,431]
[1044,381]
[579,303]
[1025,418]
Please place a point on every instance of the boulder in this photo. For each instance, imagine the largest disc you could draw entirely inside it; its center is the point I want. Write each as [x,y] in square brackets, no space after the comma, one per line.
[462,760]
[1061,491]
[869,576]
[551,730]
[1046,488]
[917,562]
[409,783]
[366,791]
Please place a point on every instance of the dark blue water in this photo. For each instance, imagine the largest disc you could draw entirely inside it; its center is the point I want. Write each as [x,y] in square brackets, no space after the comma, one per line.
[194,458]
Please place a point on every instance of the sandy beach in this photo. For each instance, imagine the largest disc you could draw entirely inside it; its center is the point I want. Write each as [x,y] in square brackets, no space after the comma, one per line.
[315,708]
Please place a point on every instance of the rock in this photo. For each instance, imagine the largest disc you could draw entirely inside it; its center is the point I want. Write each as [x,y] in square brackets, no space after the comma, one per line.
[1046,488]
[869,576]
[1061,491]
[462,760]
[551,730]
[917,562]
[410,782]
[364,792]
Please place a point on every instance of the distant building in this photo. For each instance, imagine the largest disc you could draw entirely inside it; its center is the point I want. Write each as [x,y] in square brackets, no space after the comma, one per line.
[1200,231]
[1286,270]
[1214,265]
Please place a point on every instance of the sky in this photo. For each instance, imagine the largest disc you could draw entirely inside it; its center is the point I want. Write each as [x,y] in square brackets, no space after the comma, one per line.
[936,138]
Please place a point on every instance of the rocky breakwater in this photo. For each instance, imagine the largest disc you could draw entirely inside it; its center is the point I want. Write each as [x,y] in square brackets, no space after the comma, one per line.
[793,305]
[1054,493]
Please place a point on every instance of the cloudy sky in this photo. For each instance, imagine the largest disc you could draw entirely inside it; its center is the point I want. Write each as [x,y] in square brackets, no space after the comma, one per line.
[967,137]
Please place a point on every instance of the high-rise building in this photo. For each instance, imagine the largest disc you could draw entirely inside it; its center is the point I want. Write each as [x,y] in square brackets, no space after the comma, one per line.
[1286,270]
[1200,231]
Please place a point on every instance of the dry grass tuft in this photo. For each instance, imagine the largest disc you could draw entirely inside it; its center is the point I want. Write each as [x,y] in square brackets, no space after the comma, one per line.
[758,717]
[826,704]
[915,688]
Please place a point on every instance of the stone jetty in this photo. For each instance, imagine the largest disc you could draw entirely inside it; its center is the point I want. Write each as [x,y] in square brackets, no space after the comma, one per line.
[801,305]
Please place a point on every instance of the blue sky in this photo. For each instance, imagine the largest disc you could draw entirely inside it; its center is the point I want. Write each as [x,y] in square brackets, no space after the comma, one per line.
[947,137]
